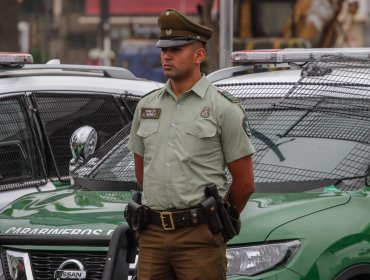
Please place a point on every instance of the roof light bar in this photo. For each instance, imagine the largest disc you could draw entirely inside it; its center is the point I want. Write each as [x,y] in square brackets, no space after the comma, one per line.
[298,55]
[13,59]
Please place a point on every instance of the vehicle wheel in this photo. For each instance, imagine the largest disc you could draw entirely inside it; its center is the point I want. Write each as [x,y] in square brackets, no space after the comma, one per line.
[358,272]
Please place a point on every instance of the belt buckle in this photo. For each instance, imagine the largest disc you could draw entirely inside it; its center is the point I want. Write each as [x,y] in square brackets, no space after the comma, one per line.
[164,215]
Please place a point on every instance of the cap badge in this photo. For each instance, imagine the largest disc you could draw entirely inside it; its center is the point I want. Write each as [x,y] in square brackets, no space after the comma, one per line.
[167,13]
[168,32]
[205,112]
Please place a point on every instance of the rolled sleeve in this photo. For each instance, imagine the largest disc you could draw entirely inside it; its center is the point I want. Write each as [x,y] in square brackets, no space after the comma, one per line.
[235,141]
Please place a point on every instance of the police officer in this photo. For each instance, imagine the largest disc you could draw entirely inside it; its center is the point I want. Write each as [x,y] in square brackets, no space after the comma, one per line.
[183,136]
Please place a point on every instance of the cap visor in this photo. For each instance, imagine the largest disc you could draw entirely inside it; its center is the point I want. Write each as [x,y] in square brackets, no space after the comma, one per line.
[172,43]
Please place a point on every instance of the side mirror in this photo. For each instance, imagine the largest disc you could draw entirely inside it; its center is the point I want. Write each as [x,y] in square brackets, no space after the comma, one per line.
[82,143]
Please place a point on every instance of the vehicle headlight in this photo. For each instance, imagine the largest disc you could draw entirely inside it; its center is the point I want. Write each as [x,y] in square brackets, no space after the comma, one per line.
[251,260]
[19,265]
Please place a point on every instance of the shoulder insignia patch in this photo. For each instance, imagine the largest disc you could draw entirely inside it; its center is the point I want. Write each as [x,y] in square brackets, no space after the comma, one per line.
[229,96]
[246,126]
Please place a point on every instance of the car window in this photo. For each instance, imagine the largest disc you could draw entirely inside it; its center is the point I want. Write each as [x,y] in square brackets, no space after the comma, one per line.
[300,158]
[319,128]
[110,168]
[18,150]
[61,113]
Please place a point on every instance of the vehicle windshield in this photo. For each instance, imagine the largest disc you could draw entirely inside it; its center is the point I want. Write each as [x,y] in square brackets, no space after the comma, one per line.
[308,136]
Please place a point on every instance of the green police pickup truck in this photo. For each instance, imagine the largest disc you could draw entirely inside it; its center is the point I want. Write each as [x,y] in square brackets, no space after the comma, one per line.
[309,112]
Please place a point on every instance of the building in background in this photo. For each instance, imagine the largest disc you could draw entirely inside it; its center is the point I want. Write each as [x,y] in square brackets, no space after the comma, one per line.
[133,31]
[132,26]
[123,32]
[9,18]
[300,23]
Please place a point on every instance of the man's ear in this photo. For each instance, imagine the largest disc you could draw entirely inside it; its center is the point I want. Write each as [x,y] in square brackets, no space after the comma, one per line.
[200,55]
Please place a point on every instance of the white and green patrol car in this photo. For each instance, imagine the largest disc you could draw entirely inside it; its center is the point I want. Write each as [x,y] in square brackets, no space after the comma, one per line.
[309,116]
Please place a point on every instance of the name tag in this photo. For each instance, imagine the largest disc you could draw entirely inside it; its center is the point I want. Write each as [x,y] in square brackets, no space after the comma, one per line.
[150,113]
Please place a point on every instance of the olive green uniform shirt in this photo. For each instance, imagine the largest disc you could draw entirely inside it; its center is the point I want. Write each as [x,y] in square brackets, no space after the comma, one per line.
[186,143]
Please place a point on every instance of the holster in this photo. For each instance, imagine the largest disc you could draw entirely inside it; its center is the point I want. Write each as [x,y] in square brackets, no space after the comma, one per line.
[136,214]
[209,206]
[233,214]
[228,216]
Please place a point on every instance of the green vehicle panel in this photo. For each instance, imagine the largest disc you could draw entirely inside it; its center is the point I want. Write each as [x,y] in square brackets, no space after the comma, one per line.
[73,209]
[338,238]
[266,212]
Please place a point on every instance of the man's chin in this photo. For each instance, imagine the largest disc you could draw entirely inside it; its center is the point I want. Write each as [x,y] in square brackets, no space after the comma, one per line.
[169,74]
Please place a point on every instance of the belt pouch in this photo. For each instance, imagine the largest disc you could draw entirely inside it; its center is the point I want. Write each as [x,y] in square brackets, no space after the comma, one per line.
[136,216]
[209,206]
[228,230]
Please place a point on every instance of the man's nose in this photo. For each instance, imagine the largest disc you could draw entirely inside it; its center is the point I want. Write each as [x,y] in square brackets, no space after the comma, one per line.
[166,55]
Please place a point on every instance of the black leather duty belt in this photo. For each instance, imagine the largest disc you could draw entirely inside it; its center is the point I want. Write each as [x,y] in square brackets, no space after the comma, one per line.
[171,220]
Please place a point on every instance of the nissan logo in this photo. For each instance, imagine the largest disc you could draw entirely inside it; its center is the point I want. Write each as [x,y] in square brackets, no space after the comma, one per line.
[77,274]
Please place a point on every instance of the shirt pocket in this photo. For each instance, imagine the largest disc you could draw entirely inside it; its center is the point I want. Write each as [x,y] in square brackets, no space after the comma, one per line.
[201,138]
[148,130]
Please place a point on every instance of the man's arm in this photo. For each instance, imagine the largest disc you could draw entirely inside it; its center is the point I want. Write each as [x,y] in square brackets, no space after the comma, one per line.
[139,169]
[242,185]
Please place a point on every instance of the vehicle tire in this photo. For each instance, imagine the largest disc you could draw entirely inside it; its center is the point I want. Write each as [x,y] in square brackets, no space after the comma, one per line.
[358,272]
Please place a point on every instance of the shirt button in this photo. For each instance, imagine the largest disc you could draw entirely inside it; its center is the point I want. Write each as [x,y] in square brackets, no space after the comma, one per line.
[173,125]
[167,164]
[177,105]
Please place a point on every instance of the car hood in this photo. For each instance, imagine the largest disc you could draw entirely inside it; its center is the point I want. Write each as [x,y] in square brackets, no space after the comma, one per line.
[265,212]
[77,212]
[65,211]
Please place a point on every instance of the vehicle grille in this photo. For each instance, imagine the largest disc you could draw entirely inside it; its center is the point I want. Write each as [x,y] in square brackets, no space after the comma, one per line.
[44,264]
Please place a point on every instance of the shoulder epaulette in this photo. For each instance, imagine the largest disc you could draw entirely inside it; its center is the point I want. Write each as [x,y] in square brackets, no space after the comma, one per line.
[229,96]
[150,92]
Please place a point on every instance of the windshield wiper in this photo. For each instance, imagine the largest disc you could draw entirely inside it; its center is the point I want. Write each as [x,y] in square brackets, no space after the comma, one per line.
[268,142]
[302,186]
[101,185]
[293,186]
